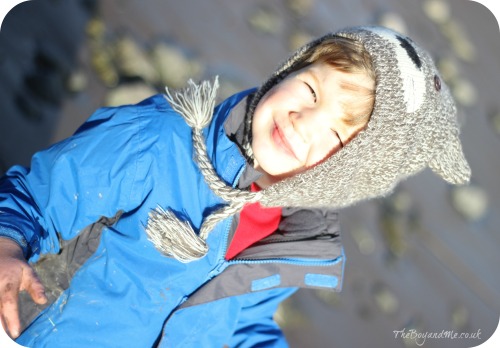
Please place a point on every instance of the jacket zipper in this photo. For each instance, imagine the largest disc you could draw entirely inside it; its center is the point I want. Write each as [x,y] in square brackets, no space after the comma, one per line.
[223,263]
[297,262]
[221,257]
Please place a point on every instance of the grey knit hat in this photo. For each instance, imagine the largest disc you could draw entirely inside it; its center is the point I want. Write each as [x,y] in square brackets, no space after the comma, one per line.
[413,126]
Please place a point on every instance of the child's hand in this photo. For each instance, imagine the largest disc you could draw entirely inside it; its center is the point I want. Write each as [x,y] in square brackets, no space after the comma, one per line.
[15,275]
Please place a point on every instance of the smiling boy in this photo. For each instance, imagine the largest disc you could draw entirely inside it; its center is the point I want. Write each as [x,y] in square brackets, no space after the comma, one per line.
[314,111]
[146,247]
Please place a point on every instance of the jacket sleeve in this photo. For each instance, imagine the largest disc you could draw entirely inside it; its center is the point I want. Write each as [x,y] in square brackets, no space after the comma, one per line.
[256,326]
[91,174]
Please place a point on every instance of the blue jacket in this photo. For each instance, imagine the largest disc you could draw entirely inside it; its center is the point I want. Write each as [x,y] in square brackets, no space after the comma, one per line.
[102,182]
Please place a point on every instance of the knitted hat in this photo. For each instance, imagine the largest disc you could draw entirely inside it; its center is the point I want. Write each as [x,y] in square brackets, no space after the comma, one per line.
[413,126]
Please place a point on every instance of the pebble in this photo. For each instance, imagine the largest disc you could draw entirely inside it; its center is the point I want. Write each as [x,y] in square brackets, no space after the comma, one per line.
[132,61]
[464,49]
[101,52]
[394,226]
[95,28]
[364,240]
[393,21]
[464,92]
[459,317]
[330,298]
[129,93]
[298,39]
[457,36]
[265,20]
[437,10]
[385,299]
[300,8]
[289,315]
[495,121]
[402,201]
[470,201]
[174,67]
[414,326]
[101,60]
[76,82]
[448,68]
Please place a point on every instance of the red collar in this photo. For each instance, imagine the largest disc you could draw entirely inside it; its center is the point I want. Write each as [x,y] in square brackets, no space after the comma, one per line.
[256,222]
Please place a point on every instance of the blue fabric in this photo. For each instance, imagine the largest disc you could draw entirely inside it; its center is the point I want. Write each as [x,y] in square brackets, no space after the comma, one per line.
[266,283]
[130,158]
[250,324]
[321,280]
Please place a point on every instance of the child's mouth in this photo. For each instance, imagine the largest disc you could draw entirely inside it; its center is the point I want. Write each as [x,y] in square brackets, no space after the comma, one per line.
[282,142]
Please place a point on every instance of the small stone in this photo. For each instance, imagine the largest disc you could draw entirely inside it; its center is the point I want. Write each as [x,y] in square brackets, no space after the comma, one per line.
[495,121]
[364,240]
[109,78]
[402,201]
[129,93]
[464,49]
[470,201]
[330,298]
[76,82]
[437,10]
[464,92]
[131,61]
[448,68]
[393,21]
[300,8]
[101,60]
[174,67]
[289,316]
[299,39]
[459,317]
[265,20]
[461,44]
[394,229]
[415,324]
[385,299]
[95,28]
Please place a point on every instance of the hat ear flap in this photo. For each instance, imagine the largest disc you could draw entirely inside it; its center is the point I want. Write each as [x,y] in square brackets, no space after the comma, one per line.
[451,164]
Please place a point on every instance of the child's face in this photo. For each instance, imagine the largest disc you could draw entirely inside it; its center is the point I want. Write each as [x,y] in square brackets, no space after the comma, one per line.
[299,122]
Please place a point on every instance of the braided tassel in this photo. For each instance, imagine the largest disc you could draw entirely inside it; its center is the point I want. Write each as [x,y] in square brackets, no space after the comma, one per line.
[170,235]
[173,237]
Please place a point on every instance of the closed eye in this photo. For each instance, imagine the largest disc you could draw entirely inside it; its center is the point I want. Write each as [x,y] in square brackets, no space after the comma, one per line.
[313,93]
[338,137]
